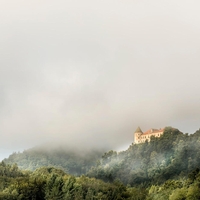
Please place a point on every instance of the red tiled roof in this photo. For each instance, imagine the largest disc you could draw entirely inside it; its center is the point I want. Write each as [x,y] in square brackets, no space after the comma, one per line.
[152,131]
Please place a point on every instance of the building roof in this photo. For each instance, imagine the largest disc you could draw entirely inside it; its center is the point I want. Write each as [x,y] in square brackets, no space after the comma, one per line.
[138,130]
[151,131]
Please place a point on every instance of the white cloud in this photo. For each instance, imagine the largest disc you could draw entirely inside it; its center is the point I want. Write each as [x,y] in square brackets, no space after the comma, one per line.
[93,71]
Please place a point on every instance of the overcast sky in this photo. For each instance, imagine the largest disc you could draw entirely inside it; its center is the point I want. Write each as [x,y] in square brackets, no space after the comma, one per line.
[89,72]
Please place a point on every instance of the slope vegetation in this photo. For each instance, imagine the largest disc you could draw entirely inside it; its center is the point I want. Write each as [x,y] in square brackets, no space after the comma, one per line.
[172,155]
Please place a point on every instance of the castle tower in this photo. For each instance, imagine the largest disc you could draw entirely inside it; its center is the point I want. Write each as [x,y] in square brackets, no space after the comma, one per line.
[137,134]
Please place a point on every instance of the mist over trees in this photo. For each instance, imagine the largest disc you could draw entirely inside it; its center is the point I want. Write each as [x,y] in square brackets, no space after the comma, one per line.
[72,161]
[164,168]
[172,155]
[48,183]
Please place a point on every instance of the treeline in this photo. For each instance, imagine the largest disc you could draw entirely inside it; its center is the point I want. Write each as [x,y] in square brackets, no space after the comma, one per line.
[171,156]
[72,161]
[182,189]
[164,168]
[48,183]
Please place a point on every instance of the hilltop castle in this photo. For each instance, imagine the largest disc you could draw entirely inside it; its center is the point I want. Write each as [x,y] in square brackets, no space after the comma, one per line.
[140,137]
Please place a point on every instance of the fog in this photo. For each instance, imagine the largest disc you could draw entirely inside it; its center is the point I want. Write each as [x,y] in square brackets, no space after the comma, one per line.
[88,73]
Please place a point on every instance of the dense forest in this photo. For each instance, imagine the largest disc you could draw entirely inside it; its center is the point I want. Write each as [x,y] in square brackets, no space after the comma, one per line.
[164,168]
[48,183]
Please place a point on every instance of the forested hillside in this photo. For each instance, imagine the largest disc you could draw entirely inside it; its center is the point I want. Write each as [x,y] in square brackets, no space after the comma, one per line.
[72,161]
[171,156]
[48,183]
[164,168]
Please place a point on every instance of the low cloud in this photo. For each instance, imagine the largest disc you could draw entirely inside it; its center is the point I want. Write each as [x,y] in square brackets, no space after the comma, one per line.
[89,73]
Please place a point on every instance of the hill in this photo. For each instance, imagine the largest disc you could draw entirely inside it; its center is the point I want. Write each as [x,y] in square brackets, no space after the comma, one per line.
[73,161]
[167,167]
[171,156]
[47,183]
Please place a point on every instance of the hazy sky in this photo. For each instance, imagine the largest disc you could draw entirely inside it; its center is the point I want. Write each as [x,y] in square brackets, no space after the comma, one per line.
[89,72]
